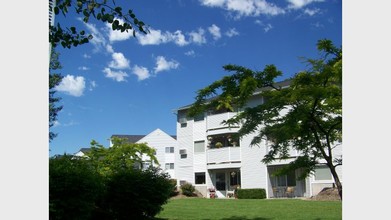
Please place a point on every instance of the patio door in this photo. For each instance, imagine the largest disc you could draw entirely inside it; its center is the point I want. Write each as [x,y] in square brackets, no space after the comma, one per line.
[220,182]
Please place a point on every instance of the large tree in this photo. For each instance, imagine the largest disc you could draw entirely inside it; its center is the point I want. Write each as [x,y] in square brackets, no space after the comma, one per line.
[306,116]
[54,80]
[102,10]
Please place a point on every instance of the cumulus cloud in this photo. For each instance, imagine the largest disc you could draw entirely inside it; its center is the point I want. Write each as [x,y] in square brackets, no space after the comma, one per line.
[141,72]
[214,30]
[156,37]
[72,85]
[232,32]
[119,61]
[198,36]
[163,65]
[245,7]
[118,35]
[297,4]
[118,76]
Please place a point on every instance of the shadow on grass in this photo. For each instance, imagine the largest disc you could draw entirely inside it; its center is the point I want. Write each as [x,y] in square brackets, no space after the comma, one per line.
[229,218]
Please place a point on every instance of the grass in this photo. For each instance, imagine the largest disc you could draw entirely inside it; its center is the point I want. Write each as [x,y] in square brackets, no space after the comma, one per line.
[250,209]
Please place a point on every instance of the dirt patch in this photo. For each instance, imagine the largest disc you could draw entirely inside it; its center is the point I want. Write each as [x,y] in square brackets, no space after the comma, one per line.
[327,194]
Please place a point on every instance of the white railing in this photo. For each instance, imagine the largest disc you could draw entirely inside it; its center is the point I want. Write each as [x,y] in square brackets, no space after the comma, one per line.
[223,155]
[215,121]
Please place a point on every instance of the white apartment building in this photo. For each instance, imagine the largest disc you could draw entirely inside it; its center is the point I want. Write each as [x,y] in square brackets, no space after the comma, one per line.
[211,156]
[164,144]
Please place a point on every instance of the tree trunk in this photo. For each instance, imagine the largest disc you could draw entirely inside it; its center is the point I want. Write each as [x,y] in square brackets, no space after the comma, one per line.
[337,181]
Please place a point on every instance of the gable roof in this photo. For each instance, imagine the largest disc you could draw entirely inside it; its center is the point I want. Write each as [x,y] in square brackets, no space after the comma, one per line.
[130,138]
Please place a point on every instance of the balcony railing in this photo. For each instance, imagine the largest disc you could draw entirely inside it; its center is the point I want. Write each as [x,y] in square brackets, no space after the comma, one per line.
[223,155]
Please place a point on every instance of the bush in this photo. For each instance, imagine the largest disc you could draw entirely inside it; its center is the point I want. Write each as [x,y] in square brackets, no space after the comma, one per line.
[251,193]
[187,189]
[74,186]
[174,189]
[135,194]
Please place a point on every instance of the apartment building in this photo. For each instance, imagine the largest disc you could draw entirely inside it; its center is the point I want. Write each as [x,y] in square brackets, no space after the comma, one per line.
[210,155]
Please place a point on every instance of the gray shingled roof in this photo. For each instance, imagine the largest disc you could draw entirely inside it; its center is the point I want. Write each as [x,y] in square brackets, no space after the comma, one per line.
[130,138]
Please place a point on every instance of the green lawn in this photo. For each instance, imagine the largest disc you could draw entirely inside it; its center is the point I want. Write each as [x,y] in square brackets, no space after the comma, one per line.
[250,209]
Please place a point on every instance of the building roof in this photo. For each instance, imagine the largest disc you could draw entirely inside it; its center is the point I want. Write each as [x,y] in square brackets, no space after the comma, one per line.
[281,84]
[130,138]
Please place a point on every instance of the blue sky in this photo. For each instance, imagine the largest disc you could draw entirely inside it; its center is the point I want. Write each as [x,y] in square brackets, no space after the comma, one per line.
[118,84]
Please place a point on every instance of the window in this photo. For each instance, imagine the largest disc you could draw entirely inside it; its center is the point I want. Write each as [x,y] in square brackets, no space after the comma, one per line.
[199,146]
[199,178]
[199,117]
[234,178]
[183,156]
[169,166]
[322,173]
[169,150]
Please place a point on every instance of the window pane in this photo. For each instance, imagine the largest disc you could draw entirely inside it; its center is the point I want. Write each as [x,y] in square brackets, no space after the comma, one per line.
[199,146]
[199,178]
[199,117]
[171,149]
[322,173]
[183,156]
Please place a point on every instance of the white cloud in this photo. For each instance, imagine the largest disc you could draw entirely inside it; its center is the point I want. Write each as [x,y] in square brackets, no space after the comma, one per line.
[267,27]
[72,85]
[215,31]
[232,32]
[86,56]
[84,68]
[311,12]
[98,39]
[141,72]
[118,35]
[245,7]
[118,76]
[198,37]
[109,48]
[190,53]
[163,65]
[156,37]
[297,4]
[93,85]
[119,61]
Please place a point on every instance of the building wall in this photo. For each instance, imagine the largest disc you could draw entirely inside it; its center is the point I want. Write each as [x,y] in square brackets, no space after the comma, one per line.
[184,166]
[159,140]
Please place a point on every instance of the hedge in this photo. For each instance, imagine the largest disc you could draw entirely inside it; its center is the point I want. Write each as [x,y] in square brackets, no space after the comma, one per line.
[251,193]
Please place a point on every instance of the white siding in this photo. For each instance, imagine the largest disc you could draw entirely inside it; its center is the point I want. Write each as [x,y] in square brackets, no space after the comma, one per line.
[184,168]
[253,171]
[159,140]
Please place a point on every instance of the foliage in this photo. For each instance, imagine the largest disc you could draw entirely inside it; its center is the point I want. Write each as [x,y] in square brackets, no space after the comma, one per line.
[306,116]
[74,186]
[54,80]
[103,10]
[135,194]
[251,193]
[121,156]
[250,209]
[174,188]
[187,189]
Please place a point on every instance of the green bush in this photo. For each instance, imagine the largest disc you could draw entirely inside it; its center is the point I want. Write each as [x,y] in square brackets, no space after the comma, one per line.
[135,194]
[174,189]
[187,189]
[74,186]
[251,193]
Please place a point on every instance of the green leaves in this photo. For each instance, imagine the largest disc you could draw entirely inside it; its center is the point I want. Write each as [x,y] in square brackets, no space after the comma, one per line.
[106,13]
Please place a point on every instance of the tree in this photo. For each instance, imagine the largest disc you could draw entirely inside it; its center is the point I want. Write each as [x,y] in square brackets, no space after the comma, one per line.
[103,10]
[306,116]
[121,156]
[54,80]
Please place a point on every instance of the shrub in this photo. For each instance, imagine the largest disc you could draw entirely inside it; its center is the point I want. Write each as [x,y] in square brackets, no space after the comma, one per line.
[135,194]
[251,193]
[74,186]
[174,189]
[187,189]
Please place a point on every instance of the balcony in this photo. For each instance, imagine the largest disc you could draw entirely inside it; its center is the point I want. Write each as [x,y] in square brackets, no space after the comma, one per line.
[223,155]
[215,121]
